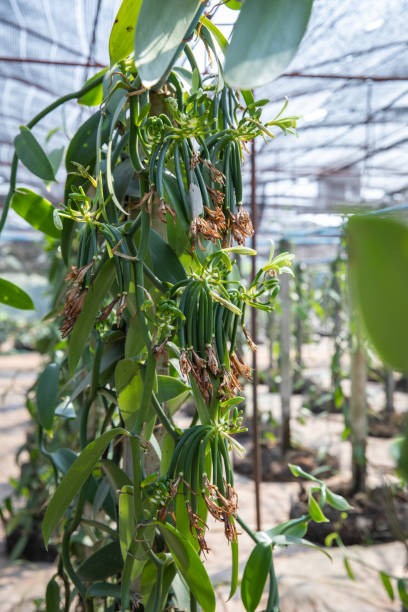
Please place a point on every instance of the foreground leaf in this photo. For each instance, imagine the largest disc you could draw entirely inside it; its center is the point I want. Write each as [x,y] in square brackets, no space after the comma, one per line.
[14,296]
[33,156]
[378,263]
[255,575]
[46,394]
[264,40]
[74,479]
[92,305]
[190,566]
[123,30]
[160,29]
[104,562]
[36,210]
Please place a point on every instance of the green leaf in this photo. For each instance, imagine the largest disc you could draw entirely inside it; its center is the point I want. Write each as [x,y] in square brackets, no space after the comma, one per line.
[349,571]
[117,477]
[295,527]
[92,305]
[52,596]
[56,156]
[315,511]
[385,579]
[33,156]
[160,29]
[11,295]
[74,479]
[166,264]
[190,566]
[63,459]
[402,592]
[264,40]
[378,263]
[234,568]
[218,35]
[169,388]
[286,540]
[36,210]
[337,501]
[103,563]
[123,30]
[235,5]
[127,519]
[255,575]
[298,471]
[104,589]
[129,387]
[46,394]
[95,95]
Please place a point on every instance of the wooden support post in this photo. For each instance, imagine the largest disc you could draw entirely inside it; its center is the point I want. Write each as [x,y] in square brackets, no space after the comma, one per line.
[389,391]
[285,366]
[358,415]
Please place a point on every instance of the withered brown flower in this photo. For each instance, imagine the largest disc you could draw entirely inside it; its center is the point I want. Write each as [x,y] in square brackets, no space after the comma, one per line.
[251,343]
[241,226]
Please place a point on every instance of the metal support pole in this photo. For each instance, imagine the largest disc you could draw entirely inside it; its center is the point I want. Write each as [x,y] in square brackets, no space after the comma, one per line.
[358,415]
[389,391]
[255,429]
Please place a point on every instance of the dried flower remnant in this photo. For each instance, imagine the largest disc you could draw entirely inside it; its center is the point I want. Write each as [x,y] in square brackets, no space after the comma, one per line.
[240,367]
[251,343]
[197,527]
[222,508]
[185,364]
[212,360]
[241,226]
[74,298]
[207,229]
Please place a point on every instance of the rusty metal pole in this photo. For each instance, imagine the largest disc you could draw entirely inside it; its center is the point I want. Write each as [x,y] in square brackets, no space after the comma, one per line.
[255,429]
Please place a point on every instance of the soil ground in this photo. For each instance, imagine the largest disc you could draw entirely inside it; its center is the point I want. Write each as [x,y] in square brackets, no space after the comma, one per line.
[308,581]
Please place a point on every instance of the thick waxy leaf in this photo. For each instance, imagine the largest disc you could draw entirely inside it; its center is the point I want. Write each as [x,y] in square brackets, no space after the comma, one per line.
[129,386]
[74,479]
[264,40]
[160,29]
[13,296]
[127,519]
[46,394]
[315,511]
[190,566]
[36,210]
[33,156]
[294,527]
[123,30]
[117,477]
[92,305]
[52,596]
[103,563]
[94,96]
[166,264]
[378,263]
[337,501]
[255,575]
[170,387]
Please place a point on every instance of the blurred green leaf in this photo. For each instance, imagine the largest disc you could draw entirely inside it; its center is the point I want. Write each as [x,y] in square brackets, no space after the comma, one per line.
[385,579]
[52,596]
[46,394]
[101,564]
[315,511]
[14,296]
[378,263]
[264,40]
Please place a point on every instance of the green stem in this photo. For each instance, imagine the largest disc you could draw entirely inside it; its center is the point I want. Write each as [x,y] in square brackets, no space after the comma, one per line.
[164,418]
[249,531]
[193,603]
[69,530]
[100,526]
[31,124]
